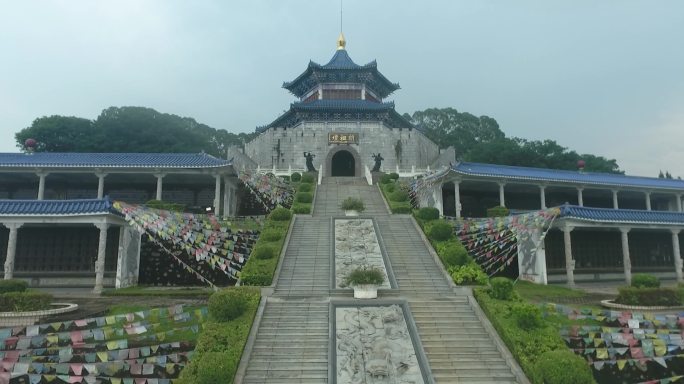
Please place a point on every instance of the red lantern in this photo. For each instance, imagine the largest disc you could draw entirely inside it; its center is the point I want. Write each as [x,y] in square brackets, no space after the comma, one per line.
[580,164]
[30,143]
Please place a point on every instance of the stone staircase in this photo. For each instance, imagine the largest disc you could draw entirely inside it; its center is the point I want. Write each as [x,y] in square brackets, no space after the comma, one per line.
[293,337]
[292,343]
[306,267]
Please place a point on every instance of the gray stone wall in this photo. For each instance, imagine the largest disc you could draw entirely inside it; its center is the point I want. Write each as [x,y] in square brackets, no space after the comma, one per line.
[374,137]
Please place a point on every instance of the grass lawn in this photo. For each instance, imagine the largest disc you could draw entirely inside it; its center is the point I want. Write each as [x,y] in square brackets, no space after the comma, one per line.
[545,293]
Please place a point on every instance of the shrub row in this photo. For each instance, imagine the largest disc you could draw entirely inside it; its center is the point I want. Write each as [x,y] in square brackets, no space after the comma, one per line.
[13,285]
[396,198]
[158,204]
[262,263]
[533,341]
[24,301]
[223,337]
[648,296]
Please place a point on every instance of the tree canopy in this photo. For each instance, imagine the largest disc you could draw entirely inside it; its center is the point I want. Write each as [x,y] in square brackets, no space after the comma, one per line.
[129,129]
[479,139]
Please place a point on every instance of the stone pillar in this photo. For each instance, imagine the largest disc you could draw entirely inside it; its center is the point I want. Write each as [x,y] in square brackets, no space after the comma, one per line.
[41,184]
[437,197]
[677,255]
[100,263]
[217,196]
[647,197]
[11,249]
[580,197]
[615,199]
[160,185]
[679,203]
[457,198]
[502,197]
[100,184]
[542,196]
[625,255]
[226,198]
[569,262]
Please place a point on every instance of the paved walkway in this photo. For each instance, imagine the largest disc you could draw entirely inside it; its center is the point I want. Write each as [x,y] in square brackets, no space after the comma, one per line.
[292,343]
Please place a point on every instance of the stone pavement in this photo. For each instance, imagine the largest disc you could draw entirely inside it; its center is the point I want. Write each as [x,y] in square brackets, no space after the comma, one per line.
[291,340]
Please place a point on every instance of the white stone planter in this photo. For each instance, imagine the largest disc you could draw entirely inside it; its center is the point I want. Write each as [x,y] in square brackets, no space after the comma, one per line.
[16,319]
[366,291]
[351,213]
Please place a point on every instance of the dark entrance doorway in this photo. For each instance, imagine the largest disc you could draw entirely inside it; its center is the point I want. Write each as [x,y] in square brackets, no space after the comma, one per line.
[342,164]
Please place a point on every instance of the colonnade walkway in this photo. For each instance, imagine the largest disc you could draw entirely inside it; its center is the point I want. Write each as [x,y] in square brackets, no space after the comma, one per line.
[292,338]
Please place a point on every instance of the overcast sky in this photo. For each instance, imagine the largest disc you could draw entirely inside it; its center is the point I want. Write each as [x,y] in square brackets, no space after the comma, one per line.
[601,77]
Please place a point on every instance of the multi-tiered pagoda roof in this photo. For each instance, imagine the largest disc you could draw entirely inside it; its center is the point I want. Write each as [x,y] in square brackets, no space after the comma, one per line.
[340,90]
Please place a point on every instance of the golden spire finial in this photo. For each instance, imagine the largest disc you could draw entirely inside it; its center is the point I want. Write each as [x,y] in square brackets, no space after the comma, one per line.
[341,42]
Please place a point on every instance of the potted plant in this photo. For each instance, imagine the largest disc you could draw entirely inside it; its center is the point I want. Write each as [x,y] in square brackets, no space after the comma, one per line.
[352,206]
[365,281]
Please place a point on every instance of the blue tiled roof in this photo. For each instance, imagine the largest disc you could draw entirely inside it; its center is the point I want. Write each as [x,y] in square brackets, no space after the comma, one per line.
[626,216]
[562,176]
[54,207]
[111,160]
[343,104]
[341,60]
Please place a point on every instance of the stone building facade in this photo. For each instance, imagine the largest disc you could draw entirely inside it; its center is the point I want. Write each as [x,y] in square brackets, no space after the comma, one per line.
[342,120]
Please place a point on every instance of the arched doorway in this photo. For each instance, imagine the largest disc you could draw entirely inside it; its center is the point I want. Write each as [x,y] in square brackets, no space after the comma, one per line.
[343,164]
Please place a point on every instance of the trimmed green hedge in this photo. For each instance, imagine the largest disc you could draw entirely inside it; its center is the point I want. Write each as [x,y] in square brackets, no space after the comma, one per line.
[440,231]
[296,177]
[13,285]
[428,213]
[648,296]
[527,346]
[304,197]
[502,288]
[280,214]
[398,195]
[643,280]
[563,367]
[24,301]
[497,211]
[158,204]
[308,178]
[305,187]
[259,271]
[220,344]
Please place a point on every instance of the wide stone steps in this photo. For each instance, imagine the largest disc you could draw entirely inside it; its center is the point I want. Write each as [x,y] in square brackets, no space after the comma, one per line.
[291,345]
[305,270]
[456,344]
[333,190]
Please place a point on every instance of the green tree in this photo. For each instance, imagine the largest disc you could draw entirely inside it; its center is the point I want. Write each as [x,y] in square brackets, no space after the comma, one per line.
[462,130]
[129,129]
[60,134]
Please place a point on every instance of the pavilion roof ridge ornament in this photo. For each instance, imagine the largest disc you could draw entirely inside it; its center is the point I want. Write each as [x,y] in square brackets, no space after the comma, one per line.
[341,42]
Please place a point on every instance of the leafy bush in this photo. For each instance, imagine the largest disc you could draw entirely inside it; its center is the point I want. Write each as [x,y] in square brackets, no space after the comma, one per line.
[264,252]
[386,179]
[399,195]
[648,296]
[454,255]
[440,231]
[280,214]
[352,204]
[305,188]
[296,176]
[24,301]
[13,285]
[220,346]
[502,288]
[271,234]
[394,176]
[308,178]
[389,188]
[428,213]
[643,280]
[497,211]
[227,304]
[562,366]
[301,208]
[468,274]
[528,316]
[304,197]
[363,275]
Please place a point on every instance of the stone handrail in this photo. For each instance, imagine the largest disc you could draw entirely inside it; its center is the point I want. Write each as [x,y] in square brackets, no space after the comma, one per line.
[320,174]
[369,176]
